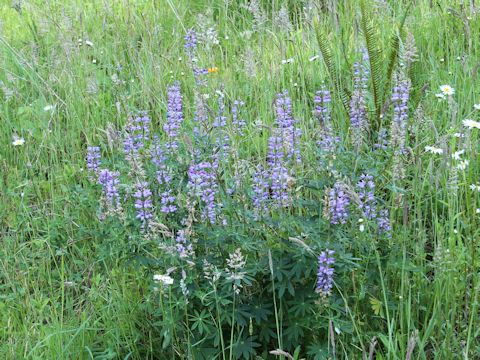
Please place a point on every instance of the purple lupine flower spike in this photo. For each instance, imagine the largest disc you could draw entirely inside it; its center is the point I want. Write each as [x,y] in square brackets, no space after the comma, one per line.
[168,202]
[366,195]
[338,202]
[383,221]
[286,125]
[398,130]
[93,159]
[278,171]
[322,101]
[325,273]
[184,247]
[159,158]
[382,141]
[202,182]
[174,117]
[221,119]
[190,44]
[222,140]
[143,202]
[190,40]
[400,96]
[358,107]
[368,203]
[200,114]
[238,124]
[109,182]
[260,191]
[137,133]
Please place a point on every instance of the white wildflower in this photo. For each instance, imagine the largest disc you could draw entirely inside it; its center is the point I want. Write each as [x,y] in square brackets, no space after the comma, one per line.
[236,260]
[447,90]
[475,187]
[287,61]
[164,279]
[471,124]
[235,264]
[456,155]
[462,165]
[361,226]
[434,150]
[18,141]
[211,272]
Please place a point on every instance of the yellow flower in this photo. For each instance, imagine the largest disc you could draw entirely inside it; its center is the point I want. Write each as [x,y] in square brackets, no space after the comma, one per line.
[213,70]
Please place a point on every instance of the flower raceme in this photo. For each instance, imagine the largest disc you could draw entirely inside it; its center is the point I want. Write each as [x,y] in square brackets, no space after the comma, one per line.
[325,273]
[143,202]
[337,202]
[109,181]
[174,117]
[202,183]
[93,159]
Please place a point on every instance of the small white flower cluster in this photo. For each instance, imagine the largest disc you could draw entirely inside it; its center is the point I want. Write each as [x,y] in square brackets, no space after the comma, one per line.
[236,263]
[211,272]
[165,280]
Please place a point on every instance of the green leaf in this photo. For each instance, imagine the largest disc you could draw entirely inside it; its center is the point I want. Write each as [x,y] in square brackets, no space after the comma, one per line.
[246,348]
[377,306]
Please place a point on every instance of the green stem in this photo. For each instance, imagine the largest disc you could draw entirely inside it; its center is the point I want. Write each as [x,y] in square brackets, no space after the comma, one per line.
[232,328]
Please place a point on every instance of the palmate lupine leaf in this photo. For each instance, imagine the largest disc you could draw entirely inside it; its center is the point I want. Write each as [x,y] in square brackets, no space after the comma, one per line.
[327,56]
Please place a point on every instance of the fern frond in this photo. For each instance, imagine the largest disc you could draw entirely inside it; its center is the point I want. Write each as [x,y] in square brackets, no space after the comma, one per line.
[375,57]
[394,49]
[329,63]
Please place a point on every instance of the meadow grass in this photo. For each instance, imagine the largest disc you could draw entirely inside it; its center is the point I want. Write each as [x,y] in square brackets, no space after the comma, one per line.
[75,287]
